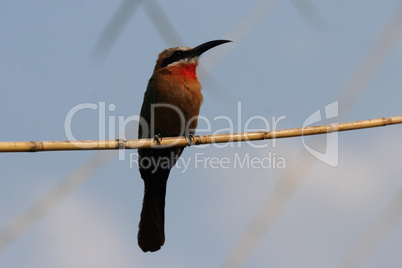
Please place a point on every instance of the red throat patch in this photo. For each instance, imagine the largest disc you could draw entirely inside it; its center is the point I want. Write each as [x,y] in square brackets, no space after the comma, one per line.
[186,70]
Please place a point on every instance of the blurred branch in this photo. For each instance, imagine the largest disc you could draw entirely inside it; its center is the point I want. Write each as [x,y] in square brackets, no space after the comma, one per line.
[371,64]
[298,169]
[49,200]
[113,29]
[309,12]
[162,23]
[374,234]
[32,146]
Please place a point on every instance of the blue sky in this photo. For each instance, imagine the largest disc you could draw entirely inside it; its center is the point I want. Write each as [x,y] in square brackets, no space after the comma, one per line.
[286,60]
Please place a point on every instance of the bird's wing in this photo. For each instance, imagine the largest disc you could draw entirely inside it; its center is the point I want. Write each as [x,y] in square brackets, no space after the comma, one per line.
[149,99]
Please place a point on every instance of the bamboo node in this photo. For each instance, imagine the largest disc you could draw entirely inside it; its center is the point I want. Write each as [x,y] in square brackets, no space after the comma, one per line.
[34,146]
[121,143]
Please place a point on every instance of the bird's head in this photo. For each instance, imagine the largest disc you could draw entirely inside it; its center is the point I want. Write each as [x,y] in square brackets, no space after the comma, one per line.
[184,55]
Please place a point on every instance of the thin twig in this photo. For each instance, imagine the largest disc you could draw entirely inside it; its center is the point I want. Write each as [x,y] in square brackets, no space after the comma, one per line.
[32,146]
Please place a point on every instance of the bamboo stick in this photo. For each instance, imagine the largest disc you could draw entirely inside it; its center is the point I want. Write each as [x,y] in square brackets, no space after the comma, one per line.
[32,146]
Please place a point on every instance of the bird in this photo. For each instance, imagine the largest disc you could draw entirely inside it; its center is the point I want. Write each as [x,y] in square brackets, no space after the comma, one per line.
[170,108]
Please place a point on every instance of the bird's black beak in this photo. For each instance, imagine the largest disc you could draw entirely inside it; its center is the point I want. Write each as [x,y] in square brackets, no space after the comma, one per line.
[191,53]
[197,51]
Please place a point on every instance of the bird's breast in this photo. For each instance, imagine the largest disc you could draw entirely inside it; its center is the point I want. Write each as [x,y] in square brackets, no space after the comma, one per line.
[179,100]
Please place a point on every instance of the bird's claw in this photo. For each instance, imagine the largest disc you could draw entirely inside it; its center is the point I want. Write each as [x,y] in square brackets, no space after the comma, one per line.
[158,138]
[190,137]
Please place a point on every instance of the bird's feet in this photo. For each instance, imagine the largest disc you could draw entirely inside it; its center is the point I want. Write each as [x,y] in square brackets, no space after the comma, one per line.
[158,138]
[190,137]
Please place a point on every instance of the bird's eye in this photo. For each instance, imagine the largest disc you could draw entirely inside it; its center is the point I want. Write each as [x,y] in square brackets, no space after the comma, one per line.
[176,56]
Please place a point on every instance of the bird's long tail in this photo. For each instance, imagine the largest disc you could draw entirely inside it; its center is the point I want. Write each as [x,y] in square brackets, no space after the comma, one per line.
[151,234]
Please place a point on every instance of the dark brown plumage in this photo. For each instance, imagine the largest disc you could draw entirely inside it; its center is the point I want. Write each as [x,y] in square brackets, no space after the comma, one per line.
[175,88]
